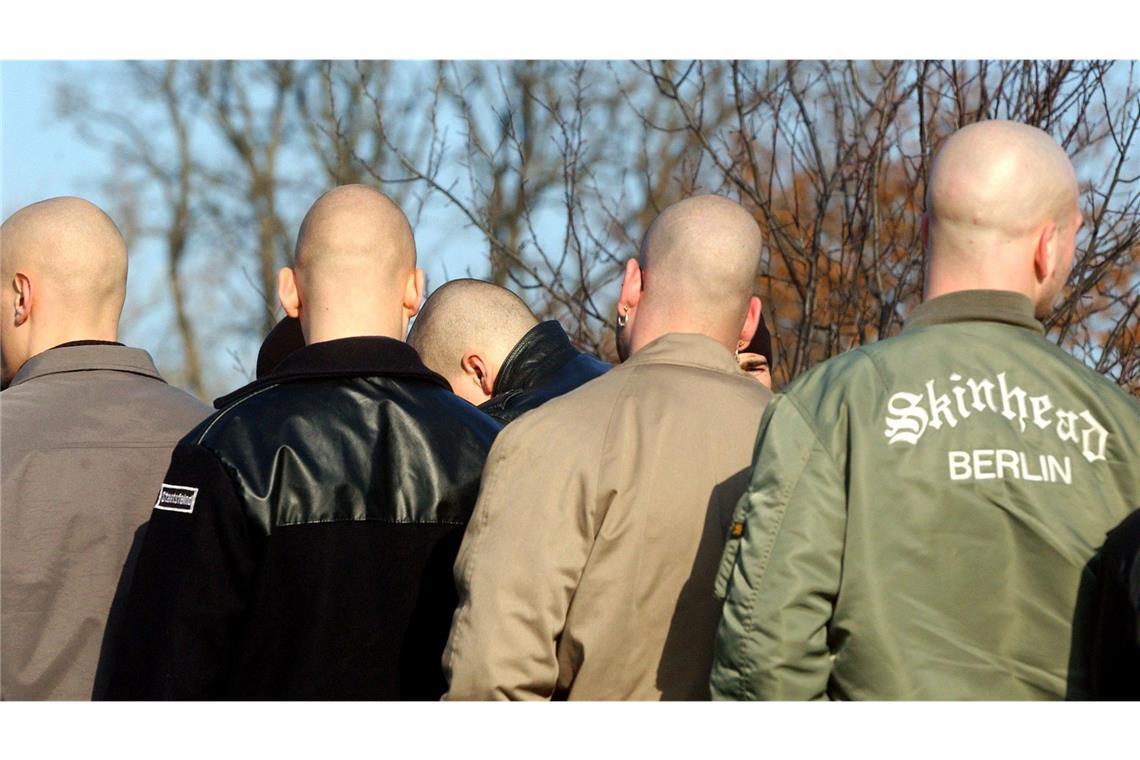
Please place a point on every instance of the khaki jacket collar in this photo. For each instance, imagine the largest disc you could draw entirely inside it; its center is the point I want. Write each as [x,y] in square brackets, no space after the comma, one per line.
[86,358]
[687,349]
[976,306]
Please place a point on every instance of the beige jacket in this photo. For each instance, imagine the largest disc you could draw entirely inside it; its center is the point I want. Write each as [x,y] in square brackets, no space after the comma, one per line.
[87,433]
[587,569]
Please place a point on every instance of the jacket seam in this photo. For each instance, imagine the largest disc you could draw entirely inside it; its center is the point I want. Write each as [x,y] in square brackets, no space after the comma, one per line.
[731,372]
[326,521]
[807,419]
[71,370]
[103,445]
[227,410]
[815,433]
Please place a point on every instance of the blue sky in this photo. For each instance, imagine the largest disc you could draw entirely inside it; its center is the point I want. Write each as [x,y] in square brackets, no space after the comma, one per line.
[41,157]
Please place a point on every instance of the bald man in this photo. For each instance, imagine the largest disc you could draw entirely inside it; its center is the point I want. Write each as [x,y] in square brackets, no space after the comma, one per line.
[88,427]
[921,508]
[488,344]
[303,542]
[586,571]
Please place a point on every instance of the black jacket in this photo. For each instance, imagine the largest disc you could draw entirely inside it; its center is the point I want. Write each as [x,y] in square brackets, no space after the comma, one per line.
[1112,642]
[541,366]
[302,544]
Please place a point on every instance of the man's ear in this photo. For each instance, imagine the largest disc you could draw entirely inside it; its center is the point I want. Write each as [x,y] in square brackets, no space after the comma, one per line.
[631,288]
[751,322]
[413,293]
[23,300]
[287,291]
[479,370]
[1045,255]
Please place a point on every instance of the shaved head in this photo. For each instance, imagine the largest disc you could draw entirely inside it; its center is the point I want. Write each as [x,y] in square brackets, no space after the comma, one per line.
[354,259]
[466,318]
[703,253]
[996,189]
[697,265]
[74,247]
[355,226]
[63,264]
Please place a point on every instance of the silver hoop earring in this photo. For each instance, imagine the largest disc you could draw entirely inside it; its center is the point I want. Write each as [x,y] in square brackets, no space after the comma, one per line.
[622,319]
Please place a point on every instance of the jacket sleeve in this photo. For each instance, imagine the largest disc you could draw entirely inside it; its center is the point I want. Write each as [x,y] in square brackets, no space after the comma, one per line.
[780,572]
[522,556]
[188,593]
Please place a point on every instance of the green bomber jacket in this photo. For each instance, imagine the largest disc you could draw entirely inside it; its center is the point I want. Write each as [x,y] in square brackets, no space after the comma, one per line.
[920,513]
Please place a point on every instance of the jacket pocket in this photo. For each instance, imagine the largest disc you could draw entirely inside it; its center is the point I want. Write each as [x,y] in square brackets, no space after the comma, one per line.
[731,549]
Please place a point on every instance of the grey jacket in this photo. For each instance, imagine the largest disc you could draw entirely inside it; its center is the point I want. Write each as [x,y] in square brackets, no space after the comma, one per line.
[87,432]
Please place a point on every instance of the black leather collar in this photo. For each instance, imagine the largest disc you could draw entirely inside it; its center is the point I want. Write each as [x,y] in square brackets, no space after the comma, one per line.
[345,357]
[543,349]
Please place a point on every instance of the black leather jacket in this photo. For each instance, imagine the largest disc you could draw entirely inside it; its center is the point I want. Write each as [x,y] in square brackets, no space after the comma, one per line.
[303,541]
[542,365]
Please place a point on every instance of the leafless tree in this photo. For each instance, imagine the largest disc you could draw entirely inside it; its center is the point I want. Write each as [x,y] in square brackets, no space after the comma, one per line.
[165,167]
[833,158]
[557,167]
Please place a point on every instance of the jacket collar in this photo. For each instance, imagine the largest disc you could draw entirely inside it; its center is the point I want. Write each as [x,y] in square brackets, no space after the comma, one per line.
[366,356]
[976,306]
[543,349]
[84,356]
[689,349]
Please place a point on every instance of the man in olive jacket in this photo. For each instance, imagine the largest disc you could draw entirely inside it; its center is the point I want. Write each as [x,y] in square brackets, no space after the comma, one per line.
[586,569]
[88,427]
[921,508]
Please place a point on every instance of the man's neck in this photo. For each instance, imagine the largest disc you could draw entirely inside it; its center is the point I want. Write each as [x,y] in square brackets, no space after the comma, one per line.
[318,332]
[53,339]
[657,328]
[945,286]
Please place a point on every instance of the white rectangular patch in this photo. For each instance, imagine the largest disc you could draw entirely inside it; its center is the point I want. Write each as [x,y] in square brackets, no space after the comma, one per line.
[176,498]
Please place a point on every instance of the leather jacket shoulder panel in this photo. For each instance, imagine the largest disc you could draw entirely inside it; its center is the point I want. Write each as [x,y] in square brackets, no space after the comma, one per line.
[364,448]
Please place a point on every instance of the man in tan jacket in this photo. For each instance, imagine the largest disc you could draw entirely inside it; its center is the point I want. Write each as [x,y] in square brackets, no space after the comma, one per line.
[586,571]
[88,426]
